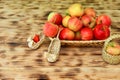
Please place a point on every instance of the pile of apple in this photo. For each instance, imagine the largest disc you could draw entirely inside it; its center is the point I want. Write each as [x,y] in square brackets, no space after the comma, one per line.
[78,24]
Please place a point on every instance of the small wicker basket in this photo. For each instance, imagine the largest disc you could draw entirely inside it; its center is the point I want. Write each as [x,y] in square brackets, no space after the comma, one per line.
[111,59]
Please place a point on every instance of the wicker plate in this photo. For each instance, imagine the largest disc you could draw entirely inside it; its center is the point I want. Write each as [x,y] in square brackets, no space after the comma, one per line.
[91,43]
[80,43]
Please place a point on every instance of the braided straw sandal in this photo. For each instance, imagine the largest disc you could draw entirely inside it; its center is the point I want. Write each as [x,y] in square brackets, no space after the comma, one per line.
[111,58]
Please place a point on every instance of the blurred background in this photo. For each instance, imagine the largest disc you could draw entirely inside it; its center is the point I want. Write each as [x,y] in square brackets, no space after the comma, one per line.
[31,14]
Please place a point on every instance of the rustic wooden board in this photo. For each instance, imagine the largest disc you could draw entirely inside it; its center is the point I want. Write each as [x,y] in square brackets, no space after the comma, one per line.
[19,19]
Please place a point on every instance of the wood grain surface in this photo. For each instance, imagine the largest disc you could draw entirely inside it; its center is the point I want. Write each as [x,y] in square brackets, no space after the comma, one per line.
[21,18]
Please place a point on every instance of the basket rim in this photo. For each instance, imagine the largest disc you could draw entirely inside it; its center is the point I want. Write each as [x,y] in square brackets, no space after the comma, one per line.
[82,41]
[108,40]
[111,38]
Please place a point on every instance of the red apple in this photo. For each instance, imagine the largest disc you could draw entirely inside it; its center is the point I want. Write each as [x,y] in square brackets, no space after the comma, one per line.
[50,29]
[101,32]
[90,12]
[86,33]
[65,21]
[76,10]
[103,19]
[66,34]
[36,38]
[86,20]
[75,24]
[77,35]
[55,18]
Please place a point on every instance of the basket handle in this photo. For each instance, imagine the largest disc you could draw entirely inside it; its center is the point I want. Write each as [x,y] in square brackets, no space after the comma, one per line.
[111,38]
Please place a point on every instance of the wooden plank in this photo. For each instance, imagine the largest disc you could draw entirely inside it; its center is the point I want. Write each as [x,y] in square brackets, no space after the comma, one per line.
[18,56]
[62,73]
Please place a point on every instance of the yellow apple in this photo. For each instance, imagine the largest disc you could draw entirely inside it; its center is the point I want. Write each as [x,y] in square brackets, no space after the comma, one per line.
[76,10]
[65,21]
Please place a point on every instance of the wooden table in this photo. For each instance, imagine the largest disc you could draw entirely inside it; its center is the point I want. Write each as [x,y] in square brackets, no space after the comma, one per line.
[21,18]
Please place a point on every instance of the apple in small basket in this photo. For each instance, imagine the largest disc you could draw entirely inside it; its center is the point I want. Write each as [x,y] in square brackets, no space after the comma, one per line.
[113,48]
[36,38]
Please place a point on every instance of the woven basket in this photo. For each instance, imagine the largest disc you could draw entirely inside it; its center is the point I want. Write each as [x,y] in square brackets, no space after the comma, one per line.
[80,43]
[90,43]
[111,59]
